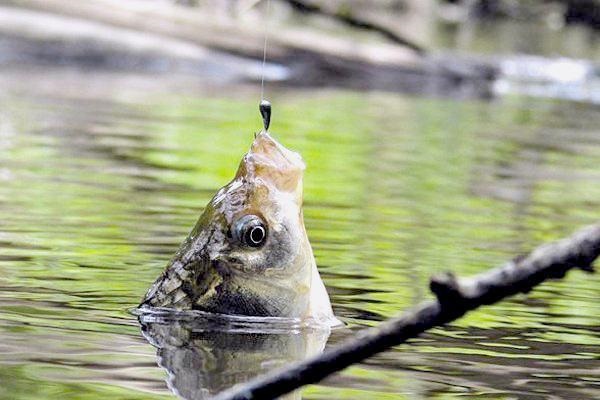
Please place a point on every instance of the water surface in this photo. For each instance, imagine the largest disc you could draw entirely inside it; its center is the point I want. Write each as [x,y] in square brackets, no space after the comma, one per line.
[102,175]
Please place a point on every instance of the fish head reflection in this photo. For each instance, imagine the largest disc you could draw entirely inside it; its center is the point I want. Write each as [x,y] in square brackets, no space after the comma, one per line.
[205,356]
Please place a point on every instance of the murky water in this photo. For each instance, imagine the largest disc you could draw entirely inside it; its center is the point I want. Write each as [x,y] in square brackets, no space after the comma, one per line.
[103,175]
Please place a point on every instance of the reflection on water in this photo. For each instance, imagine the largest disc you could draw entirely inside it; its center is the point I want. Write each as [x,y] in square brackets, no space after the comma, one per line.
[103,175]
[202,359]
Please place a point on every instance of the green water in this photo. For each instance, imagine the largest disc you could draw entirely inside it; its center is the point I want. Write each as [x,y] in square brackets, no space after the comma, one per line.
[102,176]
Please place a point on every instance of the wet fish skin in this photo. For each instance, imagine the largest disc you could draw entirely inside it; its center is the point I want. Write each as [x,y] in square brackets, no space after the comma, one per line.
[217,272]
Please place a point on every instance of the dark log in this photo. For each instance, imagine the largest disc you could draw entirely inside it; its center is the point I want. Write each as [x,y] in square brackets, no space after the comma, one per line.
[355,22]
[454,298]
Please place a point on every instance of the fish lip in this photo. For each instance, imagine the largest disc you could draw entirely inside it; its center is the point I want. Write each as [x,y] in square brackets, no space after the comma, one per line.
[288,155]
[271,163]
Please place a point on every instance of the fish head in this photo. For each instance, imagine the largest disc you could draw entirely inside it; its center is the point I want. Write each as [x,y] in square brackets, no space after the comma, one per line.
[261,212]
[249,253]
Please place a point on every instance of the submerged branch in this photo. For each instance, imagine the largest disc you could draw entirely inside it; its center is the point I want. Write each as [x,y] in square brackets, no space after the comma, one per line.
[355,23]
[455,297]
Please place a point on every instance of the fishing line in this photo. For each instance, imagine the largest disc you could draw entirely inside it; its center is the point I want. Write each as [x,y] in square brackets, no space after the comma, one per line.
[264,61]
[265,106]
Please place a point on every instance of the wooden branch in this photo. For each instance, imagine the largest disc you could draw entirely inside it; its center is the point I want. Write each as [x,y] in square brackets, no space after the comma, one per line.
[455,297]
[355,23]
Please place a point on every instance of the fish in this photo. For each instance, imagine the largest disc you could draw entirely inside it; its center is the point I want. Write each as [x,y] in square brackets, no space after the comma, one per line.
[249,253]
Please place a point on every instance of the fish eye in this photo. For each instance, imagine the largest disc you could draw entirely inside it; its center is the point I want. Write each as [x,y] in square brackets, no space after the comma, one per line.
[250,231]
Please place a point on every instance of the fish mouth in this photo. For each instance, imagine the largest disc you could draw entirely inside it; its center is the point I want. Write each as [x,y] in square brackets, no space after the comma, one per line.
[274,165]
